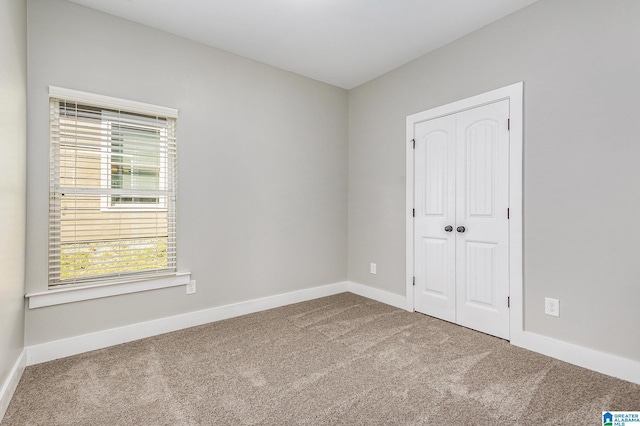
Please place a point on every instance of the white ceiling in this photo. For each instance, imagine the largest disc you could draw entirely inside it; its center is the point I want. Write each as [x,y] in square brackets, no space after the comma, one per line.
[341,42]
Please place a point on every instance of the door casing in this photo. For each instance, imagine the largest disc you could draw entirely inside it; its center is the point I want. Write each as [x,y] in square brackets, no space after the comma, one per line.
[513,93]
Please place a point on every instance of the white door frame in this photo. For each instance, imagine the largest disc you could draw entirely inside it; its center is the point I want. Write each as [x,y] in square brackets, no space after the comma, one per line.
[514,93]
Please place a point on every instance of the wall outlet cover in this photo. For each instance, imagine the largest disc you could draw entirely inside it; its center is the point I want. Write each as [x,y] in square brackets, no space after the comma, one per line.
[191,287]
[552,307]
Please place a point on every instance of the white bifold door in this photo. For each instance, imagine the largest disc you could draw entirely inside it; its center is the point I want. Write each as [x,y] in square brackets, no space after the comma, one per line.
[461,228]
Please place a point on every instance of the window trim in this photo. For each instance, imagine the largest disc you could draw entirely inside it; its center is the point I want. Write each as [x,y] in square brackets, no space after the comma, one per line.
[59,296]
[109,101]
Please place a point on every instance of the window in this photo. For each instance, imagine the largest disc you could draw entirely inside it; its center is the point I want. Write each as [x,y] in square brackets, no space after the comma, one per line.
[127,168]
[112,190]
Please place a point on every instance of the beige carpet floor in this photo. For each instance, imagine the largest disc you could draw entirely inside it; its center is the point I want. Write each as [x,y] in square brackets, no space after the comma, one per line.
[340,360]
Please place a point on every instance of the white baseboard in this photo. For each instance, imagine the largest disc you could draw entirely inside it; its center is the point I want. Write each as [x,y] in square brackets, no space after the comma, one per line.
[11,383]
[379,295]
[591,359]
[88,342]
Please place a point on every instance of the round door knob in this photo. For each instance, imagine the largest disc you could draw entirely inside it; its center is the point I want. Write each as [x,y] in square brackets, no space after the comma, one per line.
[461,229]
[448,228]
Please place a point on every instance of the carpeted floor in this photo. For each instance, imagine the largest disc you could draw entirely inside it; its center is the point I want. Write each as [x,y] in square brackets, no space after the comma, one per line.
[337,360]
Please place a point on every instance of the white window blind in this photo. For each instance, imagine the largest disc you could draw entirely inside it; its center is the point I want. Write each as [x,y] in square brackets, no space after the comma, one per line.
[112,193]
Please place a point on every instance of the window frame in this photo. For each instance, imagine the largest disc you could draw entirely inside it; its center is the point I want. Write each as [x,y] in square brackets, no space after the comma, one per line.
[106,201]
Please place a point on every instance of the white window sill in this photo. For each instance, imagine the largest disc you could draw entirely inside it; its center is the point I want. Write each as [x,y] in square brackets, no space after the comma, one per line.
[76,294]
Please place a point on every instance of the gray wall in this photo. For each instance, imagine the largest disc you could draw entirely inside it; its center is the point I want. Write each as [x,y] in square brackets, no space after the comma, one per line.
[13,148]
[262,157]
[263,163]
[580,63]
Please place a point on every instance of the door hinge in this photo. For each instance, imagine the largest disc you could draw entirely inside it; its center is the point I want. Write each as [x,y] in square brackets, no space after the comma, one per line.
[414,213]
[508,213]
[508,124]
[508,302]
[414,143]
[414,280]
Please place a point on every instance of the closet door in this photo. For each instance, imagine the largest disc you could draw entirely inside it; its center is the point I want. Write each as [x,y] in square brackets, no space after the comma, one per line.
[434,246]
[461,232]
[482,227]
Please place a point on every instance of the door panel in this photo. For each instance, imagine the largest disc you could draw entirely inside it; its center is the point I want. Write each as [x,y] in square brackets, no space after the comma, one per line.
[435,266]
[480,146]
[435,145]
[480,274]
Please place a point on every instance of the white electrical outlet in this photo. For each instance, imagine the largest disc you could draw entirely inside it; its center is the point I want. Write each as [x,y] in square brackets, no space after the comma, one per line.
[372,269]
[552,307]
[191,287]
